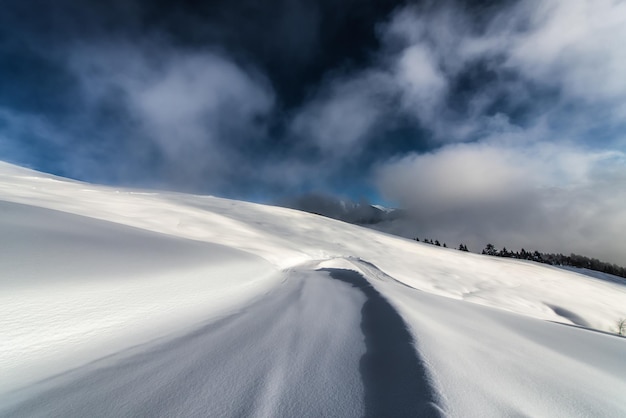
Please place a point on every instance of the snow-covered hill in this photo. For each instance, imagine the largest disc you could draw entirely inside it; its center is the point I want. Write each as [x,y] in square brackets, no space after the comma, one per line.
[121,302]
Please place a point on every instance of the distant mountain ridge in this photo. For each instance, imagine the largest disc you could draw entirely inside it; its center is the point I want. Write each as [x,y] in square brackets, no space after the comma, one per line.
[360,213]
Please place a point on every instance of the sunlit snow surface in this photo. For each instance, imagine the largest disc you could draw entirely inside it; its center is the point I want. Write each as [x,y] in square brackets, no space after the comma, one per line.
[120,302]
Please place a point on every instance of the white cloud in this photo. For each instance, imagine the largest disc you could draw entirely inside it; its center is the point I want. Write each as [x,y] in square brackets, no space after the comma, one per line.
[192,99]
[421,82]
[344,114]
[574,49]
[541,195]
[199,108]
[578,45]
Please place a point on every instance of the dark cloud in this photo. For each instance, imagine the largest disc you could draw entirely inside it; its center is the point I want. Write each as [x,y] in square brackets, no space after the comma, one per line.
[295,42]
[82,68]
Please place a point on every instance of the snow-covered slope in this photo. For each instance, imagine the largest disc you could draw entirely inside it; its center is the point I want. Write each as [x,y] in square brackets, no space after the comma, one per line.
[130,302]
[596,274]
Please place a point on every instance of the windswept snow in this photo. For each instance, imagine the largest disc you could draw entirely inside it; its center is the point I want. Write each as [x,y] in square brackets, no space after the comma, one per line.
[264,360]
[75,289]
[286,237]
[486,362]
[596,274]
[129,302]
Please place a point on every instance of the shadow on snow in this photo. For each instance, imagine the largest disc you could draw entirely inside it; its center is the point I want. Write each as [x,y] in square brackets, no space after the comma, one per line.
[394,377]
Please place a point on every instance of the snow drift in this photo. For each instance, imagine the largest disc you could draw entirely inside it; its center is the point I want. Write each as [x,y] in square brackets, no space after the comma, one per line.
[130,302]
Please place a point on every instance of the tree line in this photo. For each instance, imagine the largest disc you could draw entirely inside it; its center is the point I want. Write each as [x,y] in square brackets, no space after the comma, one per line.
[557,259]
[553,259]
[430,241]
[462,247]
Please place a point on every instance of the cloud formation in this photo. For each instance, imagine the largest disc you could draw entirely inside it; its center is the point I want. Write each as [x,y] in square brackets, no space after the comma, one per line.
[196,95]
[196,108]
[345,114]
[577,45]
[523,110]
[456,77]
[539,196]
[511,115]
[518,162]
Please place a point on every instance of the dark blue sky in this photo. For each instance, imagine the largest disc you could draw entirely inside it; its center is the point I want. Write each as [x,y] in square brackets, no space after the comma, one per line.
[502,115]
[293,49]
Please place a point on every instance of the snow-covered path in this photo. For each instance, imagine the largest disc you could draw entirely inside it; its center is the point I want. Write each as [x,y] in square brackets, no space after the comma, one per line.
[324,341]
[321,343]
[294,352]
[394,376]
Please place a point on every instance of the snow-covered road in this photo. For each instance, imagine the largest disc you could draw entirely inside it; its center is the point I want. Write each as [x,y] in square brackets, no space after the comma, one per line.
[321,343]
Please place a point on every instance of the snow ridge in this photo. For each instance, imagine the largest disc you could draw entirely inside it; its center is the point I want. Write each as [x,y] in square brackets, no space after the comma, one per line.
[395,378]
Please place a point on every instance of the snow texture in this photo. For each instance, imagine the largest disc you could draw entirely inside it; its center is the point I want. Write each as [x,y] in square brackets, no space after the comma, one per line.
[120,302]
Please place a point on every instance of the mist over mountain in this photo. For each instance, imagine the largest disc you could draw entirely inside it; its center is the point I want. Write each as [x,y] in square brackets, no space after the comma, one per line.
[360,213]
[400,222]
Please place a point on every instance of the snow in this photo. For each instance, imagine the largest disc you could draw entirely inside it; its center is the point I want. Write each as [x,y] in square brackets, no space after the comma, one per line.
[80,288]
[383,208]
[269,370]
[486,362]
[596,274]
[134,302]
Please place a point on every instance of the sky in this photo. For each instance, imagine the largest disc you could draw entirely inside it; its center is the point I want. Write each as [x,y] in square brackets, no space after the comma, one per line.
[499,122]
